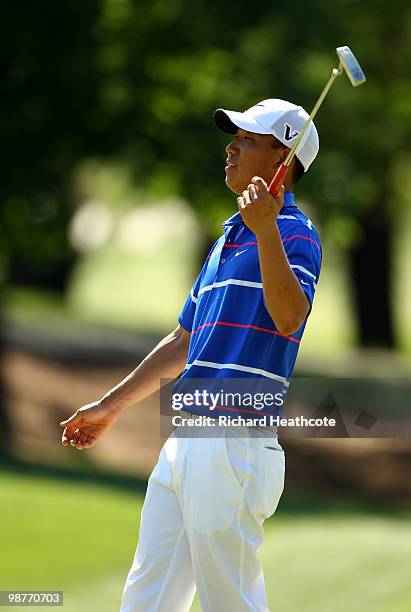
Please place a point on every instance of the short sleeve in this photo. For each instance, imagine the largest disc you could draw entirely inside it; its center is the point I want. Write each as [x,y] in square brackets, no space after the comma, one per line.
[303,250]
[186,316]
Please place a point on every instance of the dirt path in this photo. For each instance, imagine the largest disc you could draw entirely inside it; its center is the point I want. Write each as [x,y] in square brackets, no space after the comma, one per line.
[40,393]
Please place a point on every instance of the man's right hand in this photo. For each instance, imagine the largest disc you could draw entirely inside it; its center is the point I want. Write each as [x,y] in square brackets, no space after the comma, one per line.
[87,425]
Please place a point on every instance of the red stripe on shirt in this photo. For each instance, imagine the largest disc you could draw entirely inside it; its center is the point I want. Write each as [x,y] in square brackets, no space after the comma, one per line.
[238,246]
[255,412]
[263,329]
[304,238]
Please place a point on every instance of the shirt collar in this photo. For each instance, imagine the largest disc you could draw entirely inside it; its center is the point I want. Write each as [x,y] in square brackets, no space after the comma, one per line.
[236,218]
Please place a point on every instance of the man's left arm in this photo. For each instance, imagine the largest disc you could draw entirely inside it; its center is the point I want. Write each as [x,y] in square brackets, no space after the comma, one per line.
[286,302]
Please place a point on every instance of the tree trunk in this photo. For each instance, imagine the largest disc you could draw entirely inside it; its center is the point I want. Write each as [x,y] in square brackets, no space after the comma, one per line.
[370,264]
[5,424]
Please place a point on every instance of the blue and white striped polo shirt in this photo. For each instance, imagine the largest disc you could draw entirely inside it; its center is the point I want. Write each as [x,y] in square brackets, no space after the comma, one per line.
[232,334]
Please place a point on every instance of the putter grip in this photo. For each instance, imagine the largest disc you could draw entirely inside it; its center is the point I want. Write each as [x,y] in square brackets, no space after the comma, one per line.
[278,179]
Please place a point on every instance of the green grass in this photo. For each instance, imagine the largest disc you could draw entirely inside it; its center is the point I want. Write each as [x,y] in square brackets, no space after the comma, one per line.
[80,538]
[146,292]
[142,282]
[58,534]
[31,305]
[110,287]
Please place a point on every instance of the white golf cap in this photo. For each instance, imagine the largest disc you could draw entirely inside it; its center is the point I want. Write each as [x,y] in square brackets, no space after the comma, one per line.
[279,118]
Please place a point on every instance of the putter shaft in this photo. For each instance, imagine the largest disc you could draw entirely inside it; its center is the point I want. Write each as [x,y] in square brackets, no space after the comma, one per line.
[349,64]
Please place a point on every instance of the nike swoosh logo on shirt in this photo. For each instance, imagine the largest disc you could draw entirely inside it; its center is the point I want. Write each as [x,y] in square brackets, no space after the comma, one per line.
[239,252]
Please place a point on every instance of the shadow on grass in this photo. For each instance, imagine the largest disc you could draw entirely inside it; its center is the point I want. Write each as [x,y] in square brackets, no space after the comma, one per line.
[84,473]
[292,503]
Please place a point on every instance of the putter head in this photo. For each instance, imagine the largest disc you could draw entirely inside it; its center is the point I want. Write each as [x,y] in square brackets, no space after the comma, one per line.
[351,66]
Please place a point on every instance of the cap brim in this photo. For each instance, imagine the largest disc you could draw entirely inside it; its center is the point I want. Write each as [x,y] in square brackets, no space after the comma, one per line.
[230,121]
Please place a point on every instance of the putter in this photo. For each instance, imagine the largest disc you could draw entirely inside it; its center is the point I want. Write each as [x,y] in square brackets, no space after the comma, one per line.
[349,64]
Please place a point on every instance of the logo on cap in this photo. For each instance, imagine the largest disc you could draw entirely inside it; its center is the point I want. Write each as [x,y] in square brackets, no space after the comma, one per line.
[288,134]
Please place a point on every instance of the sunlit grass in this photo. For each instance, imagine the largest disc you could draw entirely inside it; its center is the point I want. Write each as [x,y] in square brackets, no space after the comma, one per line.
[144,293]
[144,289]
[56,535]
[114,288]
[81,538]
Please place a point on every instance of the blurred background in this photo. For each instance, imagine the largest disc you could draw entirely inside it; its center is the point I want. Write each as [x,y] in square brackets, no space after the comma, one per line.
[111,192]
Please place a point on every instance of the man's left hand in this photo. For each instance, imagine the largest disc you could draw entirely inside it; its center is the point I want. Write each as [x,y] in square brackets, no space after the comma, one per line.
[258,208]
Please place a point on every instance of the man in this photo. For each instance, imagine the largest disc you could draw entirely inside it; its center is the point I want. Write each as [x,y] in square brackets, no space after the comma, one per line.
[207,497]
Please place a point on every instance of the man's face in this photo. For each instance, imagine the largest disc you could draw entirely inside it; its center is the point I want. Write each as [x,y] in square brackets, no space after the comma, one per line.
[249,155]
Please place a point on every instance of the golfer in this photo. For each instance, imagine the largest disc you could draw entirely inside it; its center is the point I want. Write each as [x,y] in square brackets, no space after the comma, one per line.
[208,496]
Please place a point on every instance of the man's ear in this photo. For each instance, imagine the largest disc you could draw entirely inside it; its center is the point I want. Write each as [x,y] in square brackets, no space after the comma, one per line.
[282,156]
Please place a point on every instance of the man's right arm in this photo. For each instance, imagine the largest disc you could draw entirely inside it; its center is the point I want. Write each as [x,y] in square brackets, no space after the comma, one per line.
[165,361]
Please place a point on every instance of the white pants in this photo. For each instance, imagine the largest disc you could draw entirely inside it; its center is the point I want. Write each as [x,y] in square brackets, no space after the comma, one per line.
[201,524]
